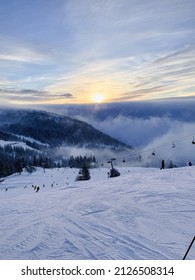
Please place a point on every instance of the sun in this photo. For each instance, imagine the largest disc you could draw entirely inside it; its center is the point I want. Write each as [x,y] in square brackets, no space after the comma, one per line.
[98,98]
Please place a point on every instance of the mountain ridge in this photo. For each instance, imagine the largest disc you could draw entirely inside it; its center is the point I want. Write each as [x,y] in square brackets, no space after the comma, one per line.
[31,138]
[53,129]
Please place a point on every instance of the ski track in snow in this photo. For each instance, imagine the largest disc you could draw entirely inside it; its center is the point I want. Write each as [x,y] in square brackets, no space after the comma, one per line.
[143,214]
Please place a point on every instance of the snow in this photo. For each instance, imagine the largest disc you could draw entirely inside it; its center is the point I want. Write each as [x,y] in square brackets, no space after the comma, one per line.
[146,213]
[32,140]
[15,144]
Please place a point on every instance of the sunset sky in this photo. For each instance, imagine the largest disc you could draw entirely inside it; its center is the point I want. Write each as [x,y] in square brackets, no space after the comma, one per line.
[86,51]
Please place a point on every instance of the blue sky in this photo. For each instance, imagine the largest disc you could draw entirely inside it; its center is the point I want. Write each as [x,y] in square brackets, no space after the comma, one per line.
[66,51]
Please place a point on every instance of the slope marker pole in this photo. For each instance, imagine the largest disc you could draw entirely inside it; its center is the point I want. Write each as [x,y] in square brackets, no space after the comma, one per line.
[189,248]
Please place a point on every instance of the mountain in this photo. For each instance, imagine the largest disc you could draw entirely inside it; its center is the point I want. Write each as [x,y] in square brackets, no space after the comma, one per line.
[38,138]
[53,130]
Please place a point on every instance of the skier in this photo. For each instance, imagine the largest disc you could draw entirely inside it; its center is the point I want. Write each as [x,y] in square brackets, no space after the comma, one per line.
[162,164]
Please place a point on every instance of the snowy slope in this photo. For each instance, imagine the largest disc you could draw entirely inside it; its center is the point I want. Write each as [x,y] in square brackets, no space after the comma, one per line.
[15,144]
[143,214]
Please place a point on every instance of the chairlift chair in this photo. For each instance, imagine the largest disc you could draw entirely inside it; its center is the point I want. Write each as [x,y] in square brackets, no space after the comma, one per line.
[173,145]
[139,158]
[153,153]
[193,141]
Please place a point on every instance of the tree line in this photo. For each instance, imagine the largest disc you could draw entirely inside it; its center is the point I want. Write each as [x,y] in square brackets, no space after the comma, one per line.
[13,159]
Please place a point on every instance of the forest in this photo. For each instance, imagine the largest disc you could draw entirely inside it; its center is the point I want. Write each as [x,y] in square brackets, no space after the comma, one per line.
[13,159]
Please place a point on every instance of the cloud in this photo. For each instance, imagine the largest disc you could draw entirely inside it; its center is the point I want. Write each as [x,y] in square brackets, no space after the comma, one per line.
[181,134]
[23,55]
[145,126]
[119,28]
[152,134]
[136,132]
[145,54]
[65,95]
[128,49]
[32,92]
[142,77]
[168,76]
[30,95]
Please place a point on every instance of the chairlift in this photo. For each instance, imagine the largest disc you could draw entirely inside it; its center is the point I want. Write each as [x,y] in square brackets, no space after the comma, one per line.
[111,162]
[173,145]
[153,153]
[193,141]
[124,160]
[139,157]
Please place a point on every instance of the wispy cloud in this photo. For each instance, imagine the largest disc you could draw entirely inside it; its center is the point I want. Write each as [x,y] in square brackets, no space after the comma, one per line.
[22,54]
[28,96]
[149,76]
[167,76]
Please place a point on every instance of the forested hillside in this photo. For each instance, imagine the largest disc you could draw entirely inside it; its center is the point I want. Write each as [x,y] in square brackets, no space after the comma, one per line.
[37,138]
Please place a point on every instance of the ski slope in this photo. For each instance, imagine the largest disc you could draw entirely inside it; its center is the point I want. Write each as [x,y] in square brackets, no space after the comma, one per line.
[146,213]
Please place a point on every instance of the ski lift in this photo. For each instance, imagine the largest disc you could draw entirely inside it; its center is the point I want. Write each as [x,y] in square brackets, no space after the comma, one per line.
[193,141]
[173,145]
[153,153]
[111,162]
[124,160]
[139,157]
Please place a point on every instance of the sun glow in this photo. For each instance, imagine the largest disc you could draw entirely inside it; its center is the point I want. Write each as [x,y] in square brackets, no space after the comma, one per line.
[98,98]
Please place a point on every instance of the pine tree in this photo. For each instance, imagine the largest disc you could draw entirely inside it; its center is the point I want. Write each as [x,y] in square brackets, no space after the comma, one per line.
[171,164]
[18,166]
[84,174]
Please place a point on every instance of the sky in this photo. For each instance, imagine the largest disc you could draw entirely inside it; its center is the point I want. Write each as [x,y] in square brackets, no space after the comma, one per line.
[68,51]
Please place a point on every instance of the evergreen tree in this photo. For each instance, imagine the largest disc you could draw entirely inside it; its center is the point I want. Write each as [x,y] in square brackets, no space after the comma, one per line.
[19,166]
[34,161]
[84,174]
[171,164]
